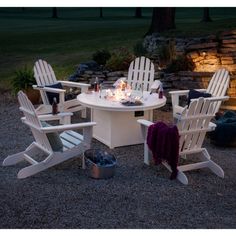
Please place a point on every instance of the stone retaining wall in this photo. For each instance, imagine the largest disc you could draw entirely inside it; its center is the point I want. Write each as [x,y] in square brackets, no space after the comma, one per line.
[208,53]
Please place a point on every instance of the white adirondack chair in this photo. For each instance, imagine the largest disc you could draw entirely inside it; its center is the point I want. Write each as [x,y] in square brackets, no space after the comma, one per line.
[44,76]
[74,143]
[192,127]
[141,72]
[217,88]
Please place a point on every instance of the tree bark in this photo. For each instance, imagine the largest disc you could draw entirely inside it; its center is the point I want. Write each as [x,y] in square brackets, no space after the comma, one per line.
[138,12]
[163,18]
[206,15]
[101,12]
[54,12]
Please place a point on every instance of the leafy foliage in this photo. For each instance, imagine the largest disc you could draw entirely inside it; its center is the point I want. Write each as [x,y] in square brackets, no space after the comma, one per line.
[23,79]
[166,53]
[101,56]
[181,63]
[139,49]
[120,59]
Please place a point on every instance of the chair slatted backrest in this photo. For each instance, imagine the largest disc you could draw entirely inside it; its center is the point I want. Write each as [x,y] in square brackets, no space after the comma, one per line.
[44,75]
[193,125]
[218,86]
[31,119]
[141,71]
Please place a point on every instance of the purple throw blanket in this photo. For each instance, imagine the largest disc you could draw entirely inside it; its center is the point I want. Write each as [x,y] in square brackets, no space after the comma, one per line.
[163,141]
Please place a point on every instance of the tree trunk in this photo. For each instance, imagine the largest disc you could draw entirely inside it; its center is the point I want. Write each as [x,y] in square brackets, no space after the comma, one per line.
[138,12]
[101,13]
[206,15]
[54,12]
[163,18]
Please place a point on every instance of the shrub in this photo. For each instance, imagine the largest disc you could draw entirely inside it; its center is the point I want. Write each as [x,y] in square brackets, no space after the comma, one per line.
[24,79]
[120,59]
[139,49]
[101,56]
[165,52]
[181,63]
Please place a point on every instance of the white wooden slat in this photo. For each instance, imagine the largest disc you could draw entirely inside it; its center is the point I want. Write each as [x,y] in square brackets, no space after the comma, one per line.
[215,82]
[130,73]
[46,74]
[145,77]
[37,74]
[67,144]
[52,78]
[141,71]
[218,86]
[75,135]
[191,137]
[50,73]
[184,124]
[42,72]
[149,74]
[69,138]
[30,159]
[210,87]
[205,124]
[135,73]
[200,124]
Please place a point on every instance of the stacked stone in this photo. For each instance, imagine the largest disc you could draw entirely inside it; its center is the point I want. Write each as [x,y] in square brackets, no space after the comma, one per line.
[203,52]
[180,45]
[107,77]
[227,51]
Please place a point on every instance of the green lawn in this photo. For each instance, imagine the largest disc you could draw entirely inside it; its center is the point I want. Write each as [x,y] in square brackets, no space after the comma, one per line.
[28,35]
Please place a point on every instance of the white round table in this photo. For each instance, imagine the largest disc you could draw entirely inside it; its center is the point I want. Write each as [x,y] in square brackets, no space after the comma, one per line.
[116,123]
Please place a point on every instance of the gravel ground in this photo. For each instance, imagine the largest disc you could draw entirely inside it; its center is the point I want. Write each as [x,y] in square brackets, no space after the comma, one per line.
[138,196]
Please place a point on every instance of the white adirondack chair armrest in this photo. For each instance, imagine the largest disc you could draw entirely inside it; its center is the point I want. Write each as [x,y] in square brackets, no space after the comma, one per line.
[179,92]
[214,99]
[220,98]
[51,117]
[146,123]
[74,84]
[47,89]
[201,90]
[54,117]
[53,129]
[184,92]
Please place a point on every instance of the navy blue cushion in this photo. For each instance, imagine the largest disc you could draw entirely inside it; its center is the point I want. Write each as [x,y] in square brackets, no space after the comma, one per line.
[51,95]
[196,94]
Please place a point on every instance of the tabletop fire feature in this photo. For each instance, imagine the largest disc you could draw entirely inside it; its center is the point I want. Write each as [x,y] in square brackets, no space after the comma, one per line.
[122,93]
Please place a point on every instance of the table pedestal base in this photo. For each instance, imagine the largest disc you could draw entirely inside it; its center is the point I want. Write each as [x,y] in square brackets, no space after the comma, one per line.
[116,129]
